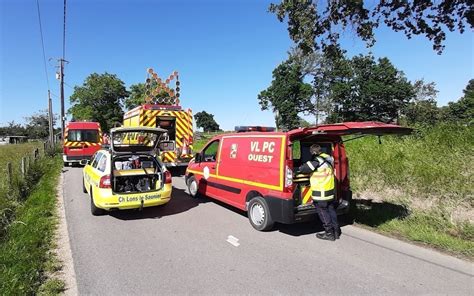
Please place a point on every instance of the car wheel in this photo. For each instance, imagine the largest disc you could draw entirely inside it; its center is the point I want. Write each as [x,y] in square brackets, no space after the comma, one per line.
[95,210]
[83,186]
[193,187]
[259,214]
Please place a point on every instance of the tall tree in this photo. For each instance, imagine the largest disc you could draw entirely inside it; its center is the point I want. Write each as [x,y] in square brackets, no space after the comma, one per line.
[138,95]
[206,121]
[288,95]
[99,99]
[37,125]
[315,25]
[370,90]
[422,108]
[461,111]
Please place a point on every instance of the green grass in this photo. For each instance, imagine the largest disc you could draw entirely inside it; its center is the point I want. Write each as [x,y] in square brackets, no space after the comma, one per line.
[25,250]
[421,186]
[12,194]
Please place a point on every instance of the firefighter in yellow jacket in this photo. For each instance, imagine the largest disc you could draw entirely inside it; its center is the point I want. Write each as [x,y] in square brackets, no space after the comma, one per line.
[321,168]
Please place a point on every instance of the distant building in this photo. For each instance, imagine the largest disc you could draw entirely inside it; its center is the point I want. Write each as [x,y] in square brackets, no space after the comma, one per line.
[13,139]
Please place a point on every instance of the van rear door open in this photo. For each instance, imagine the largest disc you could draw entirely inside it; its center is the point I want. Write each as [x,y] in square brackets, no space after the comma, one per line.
[352,128]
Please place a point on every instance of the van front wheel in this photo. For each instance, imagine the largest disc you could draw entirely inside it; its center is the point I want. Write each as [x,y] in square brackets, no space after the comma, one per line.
[193,187]
[259,214]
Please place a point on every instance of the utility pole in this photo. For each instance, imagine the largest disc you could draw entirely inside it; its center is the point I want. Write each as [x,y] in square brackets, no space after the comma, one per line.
[50,120]
[61,86]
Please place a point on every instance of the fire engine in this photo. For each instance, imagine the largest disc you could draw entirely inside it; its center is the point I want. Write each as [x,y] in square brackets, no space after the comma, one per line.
[81,140]
[255,169]
[162,109]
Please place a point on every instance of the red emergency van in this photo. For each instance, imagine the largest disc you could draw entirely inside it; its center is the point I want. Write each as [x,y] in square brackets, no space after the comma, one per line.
[254,171]
[81,140]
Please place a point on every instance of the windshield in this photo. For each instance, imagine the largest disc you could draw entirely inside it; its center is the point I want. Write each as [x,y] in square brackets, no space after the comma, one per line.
[134,141]
[83,136]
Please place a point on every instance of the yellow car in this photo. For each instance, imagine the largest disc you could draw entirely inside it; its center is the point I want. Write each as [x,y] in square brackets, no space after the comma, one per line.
[128,175]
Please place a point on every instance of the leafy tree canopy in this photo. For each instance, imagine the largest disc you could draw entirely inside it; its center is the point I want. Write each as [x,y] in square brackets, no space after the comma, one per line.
[315,25]
[422,108]
[461,111]
[37,125]
[369,90]
[206,121]
[137,95]
[287,95]
[99,99]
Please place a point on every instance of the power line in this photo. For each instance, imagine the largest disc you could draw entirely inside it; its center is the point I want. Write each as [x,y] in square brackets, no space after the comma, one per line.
[64,31]
[42,43]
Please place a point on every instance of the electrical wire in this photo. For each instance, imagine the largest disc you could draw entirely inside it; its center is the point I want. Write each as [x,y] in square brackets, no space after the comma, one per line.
[64,32]
[42,44]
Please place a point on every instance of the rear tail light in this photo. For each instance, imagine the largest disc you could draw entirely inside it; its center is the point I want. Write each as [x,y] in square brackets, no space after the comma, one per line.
[167,177]
[288,178]
[105,182]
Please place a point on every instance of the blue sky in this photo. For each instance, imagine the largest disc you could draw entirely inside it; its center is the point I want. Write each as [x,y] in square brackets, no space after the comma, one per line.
[224,51]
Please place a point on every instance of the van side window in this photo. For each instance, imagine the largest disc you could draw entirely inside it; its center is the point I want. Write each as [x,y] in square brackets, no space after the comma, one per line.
[210,152]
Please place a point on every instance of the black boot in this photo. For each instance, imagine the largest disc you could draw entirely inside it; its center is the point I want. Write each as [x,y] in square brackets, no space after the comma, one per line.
[326,236]
[337,233]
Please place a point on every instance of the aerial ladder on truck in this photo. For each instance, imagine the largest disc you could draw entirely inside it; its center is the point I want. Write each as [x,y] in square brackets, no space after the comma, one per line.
[162,109]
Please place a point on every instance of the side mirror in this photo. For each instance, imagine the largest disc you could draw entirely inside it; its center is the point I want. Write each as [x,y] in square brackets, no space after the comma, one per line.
[197,157]
[84,161]
[167,146]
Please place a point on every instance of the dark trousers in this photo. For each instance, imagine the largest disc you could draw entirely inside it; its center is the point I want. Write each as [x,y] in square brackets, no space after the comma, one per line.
[327,214]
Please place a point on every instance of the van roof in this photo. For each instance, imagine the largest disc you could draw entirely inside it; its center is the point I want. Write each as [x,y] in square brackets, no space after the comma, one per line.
[83,125]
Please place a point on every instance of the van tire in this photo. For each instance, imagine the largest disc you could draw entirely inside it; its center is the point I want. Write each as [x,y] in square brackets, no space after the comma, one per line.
[193,187]
[95,211]
[258,213]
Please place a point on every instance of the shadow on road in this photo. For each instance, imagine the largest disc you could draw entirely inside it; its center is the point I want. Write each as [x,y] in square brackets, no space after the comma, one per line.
[180,202]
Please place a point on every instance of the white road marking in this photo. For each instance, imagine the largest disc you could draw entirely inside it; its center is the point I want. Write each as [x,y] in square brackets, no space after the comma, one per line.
[233,241]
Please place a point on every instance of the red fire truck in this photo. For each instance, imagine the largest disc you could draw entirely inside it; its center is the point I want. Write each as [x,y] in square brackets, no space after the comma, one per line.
[81,140]
[254,171]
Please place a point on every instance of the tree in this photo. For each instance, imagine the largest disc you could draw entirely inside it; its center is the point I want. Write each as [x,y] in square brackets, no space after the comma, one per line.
[422,108]
[37,126]
[13,129]
[323,71]
[99,99]
[314,25]
[461,111]
[206,121]
[368,90]
[287,95]
[138,95]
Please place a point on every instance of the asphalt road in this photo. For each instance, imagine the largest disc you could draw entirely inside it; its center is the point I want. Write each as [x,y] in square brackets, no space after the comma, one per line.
[183,248]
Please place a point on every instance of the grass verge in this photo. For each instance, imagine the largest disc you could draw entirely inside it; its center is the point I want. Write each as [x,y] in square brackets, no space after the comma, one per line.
[418,187]
[25,250]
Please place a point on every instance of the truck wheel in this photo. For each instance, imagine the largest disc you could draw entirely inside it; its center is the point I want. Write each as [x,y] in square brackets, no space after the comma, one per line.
[66,163]
[83,185]
[259,214]
[193,187]
[95,210]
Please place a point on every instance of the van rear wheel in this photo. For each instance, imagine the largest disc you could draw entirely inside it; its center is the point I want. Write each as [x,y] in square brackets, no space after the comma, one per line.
[259,214]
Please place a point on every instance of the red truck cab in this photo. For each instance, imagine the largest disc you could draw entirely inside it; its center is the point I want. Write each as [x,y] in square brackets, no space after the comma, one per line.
[255,171]
[81,140]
